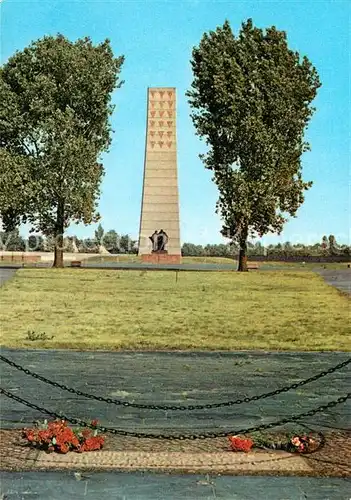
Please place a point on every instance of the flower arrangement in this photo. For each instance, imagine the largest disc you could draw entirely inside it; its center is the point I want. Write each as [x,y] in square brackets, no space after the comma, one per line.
[58,436]
[302,444]
[291,442]
[240,444]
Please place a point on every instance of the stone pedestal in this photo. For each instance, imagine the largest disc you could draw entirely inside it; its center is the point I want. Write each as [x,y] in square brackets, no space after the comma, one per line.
[160,201]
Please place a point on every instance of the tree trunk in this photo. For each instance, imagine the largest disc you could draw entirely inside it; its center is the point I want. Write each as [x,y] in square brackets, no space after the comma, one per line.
[58,258]
[242,265]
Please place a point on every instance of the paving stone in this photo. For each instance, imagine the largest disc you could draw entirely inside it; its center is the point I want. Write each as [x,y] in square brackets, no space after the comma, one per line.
[150,486]
[229,462]
[180,378]
[339,278]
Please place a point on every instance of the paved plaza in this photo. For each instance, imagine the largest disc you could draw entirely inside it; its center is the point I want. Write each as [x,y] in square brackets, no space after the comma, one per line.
[149,486]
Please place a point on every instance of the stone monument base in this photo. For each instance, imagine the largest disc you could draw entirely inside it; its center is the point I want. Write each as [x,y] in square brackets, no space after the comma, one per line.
[161,258]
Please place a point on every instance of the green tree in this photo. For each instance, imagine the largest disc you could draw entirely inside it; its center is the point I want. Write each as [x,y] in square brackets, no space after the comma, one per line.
[14,181]
[219,250]
[288,249]
[259,249]
[111,241]
[324,242]
[12,241]
[88,245]
[250,101]
[346,250]
[126,244]
[35,243]
[192,250]
[68,244]
[55,104]
[325,245]
[99,234]
[332,245]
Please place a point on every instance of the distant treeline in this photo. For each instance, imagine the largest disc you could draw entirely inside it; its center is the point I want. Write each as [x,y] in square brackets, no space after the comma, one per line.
[115,243]
[110,241]
[328,247]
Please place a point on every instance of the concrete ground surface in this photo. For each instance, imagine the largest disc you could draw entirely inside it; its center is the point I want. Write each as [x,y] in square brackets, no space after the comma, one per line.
[340,278]
[175,378]
[149,486]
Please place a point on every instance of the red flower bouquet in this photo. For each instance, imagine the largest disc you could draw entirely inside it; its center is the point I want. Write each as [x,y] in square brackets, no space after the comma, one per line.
[240,444]
[57,436]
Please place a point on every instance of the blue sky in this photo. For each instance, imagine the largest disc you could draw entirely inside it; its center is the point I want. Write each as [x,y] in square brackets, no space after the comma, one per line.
[156,38]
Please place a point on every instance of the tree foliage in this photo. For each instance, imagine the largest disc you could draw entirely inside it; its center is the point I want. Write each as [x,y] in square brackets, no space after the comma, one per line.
[12,241]
[55,104]
[332,244]
[116,244]
[250,101]
[99,234]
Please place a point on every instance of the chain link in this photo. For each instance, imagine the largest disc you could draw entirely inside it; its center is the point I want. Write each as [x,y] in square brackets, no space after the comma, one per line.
[118,402]
[205,435]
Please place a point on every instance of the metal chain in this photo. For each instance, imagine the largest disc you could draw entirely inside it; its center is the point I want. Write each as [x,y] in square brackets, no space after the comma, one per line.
[205,435]
[174,407]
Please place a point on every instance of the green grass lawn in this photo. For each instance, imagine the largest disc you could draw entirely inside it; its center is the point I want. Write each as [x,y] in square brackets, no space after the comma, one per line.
[136,258]
[101,309]
[302,266]
[132,258]
[209,260]
[221,260]
[112,258]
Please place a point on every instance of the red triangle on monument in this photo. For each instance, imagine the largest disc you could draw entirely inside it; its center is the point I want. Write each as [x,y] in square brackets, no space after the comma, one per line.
[153,113]
[152,133]
[169,144]
[161,113]
[169,133]
[160,124]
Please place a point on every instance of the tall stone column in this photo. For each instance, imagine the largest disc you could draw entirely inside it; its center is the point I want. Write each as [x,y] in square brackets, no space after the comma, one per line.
[160,201]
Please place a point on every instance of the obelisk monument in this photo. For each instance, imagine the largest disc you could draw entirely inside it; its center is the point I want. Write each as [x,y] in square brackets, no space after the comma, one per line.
[159,235]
